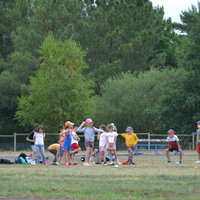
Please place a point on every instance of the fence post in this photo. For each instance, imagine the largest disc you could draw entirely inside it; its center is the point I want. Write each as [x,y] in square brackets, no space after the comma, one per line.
[15,141]
[149,137]
[193,142]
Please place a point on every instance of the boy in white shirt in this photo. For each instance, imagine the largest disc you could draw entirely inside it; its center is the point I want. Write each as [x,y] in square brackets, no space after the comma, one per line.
[173,145]
[102,137]
[111,140]
[75,147]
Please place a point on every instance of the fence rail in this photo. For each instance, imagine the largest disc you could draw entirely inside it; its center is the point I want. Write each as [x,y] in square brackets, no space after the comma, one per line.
[148,140]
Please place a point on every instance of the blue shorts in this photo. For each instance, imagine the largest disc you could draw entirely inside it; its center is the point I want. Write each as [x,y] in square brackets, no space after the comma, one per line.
[67,148]
[33,147]
[173,149]
[61,151]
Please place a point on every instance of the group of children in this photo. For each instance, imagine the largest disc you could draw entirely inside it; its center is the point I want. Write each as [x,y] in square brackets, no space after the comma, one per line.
[107,137]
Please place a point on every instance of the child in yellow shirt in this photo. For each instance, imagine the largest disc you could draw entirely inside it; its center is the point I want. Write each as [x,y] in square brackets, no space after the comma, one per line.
[131,141]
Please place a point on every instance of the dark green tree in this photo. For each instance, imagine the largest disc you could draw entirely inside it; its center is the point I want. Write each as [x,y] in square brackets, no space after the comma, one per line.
[24,25]
[121,36]
[189,49]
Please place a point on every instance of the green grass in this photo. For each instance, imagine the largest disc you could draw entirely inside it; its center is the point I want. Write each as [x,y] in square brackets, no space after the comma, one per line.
[153,181]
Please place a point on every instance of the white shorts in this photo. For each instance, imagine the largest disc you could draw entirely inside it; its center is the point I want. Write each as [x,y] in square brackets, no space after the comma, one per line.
[111,146]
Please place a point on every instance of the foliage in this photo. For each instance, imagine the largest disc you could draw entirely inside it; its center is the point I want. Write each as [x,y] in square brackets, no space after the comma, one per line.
[152,101]
[59,91]
[121,36]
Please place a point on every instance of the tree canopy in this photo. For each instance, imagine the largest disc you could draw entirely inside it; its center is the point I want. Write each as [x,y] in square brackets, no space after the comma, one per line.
[59,91]
[111,41]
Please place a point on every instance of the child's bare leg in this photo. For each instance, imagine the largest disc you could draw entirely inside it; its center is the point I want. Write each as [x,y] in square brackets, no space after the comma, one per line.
[110,154]
[73,157]
[101,156]
[59,158]
[115,153]
[68,156]
[167,154]
[90,153]
[77,150]
[104,158]
[87,154]
[64,157]
[180,153]
[33,155]
[199,155]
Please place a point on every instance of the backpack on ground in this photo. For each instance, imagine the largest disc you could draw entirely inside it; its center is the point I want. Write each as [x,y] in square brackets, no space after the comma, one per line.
[21,159]
[5,161]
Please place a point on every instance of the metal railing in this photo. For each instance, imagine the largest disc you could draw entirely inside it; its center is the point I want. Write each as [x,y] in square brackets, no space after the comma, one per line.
[148,139]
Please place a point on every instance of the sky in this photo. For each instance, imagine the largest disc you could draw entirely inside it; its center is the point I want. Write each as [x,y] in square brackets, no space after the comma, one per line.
[173,8]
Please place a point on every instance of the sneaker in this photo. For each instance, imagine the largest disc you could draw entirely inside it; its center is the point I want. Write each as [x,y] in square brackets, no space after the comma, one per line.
[195,162]
[106,164]
[111,163]
[33,163]
[75,164]
[125,163]
[53,163]
[86,164]
[179,162]
[70,164]
[169,162]
[130,163]
[117,162]
[65,164]
[57,163]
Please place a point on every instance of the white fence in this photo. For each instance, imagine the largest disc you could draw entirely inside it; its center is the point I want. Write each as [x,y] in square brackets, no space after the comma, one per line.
[149,138]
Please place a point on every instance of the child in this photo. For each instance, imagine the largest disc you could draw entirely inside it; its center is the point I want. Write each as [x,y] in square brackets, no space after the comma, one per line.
[75,139]
[61,141]
[67,143]
[89,132]
[111,140]
[102,144]
[39,138]
[198,141]
[54,149]
[30,139]
[173,144]
[131,141]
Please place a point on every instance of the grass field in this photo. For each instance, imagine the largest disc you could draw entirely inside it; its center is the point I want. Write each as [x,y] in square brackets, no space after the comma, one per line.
[156,180]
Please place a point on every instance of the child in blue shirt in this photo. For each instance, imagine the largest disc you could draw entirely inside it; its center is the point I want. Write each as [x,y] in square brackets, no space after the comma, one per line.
[67,143]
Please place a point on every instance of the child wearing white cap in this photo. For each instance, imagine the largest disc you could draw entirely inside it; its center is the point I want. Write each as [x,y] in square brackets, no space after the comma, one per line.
[131,141]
